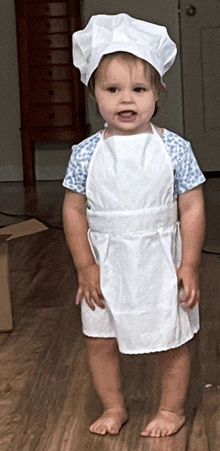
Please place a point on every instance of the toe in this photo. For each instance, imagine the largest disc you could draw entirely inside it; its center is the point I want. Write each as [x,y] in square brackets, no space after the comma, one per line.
[164,432]
[156,432]
[102,430]
[114,430]
[148,431]
[98,429]
[145,433]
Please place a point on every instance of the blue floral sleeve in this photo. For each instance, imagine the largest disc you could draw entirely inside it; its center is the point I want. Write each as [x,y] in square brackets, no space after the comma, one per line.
[187,174]
[78,165]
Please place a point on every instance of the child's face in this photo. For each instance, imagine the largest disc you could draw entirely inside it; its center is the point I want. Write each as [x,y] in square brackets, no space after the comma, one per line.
[125,97]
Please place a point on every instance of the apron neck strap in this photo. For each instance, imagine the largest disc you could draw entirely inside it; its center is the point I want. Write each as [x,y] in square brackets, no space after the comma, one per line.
[154,129]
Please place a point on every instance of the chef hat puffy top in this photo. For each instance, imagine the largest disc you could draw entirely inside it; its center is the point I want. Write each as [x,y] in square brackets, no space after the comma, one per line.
[106,34]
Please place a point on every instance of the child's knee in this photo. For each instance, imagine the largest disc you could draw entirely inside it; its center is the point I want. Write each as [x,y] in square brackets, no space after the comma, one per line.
[102,346]
[167,358]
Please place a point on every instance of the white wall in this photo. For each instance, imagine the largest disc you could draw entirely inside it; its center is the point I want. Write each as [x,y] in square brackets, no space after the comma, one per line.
[10,144]
[51,158]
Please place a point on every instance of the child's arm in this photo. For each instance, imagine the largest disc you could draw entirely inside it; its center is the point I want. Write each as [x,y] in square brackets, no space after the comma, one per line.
[75,229]
[192,220]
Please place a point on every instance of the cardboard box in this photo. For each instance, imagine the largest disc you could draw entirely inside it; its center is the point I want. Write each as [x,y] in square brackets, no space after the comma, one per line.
[8,233]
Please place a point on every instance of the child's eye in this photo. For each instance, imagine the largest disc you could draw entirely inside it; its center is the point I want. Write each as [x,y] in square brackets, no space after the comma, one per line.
[112,89]
[140,89]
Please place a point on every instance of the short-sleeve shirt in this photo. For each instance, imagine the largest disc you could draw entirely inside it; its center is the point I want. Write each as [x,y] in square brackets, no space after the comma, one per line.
[187,174]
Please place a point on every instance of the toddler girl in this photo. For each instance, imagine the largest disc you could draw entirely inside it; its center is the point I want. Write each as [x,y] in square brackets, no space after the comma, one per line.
[125,185]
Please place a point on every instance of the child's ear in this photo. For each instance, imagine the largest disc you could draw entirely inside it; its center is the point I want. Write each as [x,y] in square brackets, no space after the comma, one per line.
[156,109]
[89,92]
[156,95]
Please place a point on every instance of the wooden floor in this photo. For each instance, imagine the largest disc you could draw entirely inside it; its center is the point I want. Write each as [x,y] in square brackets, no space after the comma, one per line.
[47,400]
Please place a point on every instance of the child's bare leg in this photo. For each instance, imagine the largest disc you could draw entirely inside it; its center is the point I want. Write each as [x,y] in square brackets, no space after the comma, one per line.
[104,365]
[175,369]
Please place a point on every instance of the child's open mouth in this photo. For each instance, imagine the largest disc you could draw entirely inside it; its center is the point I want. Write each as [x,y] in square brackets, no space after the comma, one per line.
[127,115]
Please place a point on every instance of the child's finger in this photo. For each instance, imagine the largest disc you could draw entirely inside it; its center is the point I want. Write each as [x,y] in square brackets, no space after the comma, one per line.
[89,300]
[79,296]
[192,300]
[100,294]
[98,300]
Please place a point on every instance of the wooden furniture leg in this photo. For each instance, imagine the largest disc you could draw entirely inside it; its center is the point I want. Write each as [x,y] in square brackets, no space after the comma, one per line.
[28,159]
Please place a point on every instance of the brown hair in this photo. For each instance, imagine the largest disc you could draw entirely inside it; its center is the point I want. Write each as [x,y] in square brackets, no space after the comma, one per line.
[129,57]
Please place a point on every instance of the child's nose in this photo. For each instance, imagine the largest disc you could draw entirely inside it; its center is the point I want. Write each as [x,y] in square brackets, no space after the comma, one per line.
[126,96]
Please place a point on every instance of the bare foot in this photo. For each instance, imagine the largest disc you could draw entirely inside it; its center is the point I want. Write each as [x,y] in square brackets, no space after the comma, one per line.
[164,424]
[110,422]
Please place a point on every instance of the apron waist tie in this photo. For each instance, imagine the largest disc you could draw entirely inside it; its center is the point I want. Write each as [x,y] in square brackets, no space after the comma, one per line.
[128,221]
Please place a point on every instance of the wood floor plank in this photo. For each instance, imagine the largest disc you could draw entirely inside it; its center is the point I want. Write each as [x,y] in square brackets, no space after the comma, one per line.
[19,359]
[61,414]
[41,270]
[211,409]
[198,437]
[209,350]
[44,396]
[210,287]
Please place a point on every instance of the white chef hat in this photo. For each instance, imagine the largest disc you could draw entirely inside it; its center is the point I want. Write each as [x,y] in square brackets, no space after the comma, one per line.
[106,34]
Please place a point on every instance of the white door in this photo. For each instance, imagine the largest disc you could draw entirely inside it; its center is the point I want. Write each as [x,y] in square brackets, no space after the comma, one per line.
[200,41]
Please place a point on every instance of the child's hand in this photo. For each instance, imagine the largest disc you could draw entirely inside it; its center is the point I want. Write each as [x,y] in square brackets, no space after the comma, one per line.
[188,279]
[89,286]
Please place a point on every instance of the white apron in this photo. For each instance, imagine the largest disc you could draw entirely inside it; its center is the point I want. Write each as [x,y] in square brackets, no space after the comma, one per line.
[134,235]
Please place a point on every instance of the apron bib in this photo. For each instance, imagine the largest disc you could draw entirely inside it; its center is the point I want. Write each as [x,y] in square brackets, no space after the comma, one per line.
[134,236]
